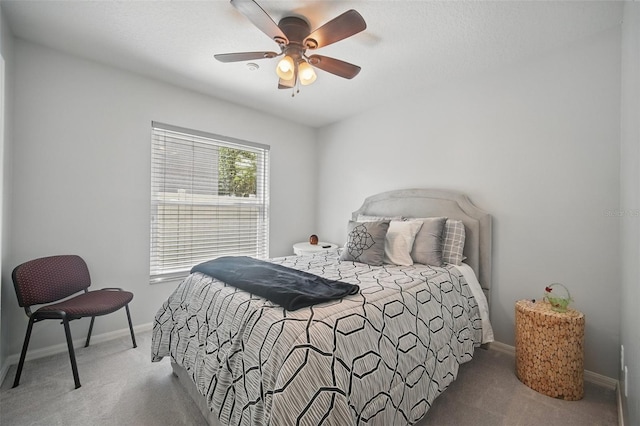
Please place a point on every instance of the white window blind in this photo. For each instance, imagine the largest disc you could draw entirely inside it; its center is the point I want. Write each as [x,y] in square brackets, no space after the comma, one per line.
[209,198]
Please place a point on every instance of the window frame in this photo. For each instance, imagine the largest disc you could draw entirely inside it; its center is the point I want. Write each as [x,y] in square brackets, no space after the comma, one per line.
[158,270]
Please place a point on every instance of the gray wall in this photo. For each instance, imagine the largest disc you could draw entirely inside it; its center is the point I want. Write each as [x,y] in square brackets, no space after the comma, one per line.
[81,155]
[629,206]
[537,146]
[6,50]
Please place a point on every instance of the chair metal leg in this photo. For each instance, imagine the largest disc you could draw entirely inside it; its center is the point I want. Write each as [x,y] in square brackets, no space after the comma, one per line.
[72,354]
[133,337]
[86,344]
[23,354]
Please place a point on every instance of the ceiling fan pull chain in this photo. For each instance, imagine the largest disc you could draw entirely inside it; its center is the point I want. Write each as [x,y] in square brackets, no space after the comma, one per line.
[296,87]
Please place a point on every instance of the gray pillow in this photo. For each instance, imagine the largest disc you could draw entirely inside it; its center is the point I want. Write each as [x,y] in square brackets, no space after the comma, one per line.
[427,247]
[365,242]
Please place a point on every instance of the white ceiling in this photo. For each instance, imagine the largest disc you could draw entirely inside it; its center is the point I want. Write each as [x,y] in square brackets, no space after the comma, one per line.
[408,45]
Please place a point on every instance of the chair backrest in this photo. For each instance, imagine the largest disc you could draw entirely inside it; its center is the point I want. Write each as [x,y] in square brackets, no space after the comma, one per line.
[49,279]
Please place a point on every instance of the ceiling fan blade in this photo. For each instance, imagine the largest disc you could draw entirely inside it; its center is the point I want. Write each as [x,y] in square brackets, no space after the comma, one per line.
[244,56]
[339,28]
[260,19]
[334,66]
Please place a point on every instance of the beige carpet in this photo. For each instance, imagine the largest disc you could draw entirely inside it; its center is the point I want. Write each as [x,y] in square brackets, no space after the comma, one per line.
[120,386]
[487,392]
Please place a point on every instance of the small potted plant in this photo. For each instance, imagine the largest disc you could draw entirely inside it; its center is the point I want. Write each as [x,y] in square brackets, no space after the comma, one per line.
[558,296]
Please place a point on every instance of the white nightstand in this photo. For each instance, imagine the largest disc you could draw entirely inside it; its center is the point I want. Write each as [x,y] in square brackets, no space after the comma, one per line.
[306,248]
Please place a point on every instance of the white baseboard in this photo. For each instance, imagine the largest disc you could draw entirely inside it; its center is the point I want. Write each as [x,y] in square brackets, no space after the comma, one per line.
[589,376]
[502,347]
[620,406]
[4,369]
[62,347]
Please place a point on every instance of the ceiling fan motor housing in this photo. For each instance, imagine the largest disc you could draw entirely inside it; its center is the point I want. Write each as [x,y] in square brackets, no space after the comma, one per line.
[296,29]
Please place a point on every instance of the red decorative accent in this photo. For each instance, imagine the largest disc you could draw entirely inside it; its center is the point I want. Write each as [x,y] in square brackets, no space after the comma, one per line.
[547,289]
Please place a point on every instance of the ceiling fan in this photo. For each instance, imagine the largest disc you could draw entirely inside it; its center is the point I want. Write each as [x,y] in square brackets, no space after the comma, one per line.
[294,37]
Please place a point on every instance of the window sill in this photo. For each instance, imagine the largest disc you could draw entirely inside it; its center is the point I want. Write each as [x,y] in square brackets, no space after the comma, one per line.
[159,279]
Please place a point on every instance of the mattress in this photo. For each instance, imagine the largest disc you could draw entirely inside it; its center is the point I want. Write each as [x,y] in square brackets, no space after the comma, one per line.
[380,356]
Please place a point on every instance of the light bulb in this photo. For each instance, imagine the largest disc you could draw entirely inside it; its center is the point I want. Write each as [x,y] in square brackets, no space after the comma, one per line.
[285,68]
[307,74]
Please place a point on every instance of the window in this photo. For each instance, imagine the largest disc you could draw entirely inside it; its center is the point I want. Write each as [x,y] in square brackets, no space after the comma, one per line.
[209,198]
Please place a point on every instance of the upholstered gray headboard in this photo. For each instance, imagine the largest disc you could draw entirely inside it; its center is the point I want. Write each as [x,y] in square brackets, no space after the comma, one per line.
[433,203]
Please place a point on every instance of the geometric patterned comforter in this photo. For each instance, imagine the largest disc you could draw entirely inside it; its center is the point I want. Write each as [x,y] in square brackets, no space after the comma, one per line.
[379,357]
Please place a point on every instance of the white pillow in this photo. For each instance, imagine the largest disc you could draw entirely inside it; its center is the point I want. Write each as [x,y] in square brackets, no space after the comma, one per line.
[399,241]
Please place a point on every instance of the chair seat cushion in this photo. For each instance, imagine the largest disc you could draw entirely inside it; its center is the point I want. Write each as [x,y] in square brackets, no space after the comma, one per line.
[93,303]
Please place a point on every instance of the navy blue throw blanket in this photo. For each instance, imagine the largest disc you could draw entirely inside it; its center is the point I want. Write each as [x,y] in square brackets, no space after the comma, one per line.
[289,288]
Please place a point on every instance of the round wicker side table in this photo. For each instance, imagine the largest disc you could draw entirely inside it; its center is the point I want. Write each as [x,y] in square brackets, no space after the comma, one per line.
[550,349]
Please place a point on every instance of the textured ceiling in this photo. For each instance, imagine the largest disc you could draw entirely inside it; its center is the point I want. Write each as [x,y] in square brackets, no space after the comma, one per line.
[408,46]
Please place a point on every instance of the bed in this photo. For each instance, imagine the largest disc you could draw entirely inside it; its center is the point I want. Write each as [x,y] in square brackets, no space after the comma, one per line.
[380,356]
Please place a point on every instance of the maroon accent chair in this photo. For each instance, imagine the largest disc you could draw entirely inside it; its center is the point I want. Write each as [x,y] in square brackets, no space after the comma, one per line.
[51,279]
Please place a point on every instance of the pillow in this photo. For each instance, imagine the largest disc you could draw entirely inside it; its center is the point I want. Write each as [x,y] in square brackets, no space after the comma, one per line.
[453,242]
[365,242]
[427,248]
[399,241]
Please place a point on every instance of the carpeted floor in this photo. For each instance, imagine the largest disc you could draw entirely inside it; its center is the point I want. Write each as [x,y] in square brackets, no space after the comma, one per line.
[487,392]
[120,386]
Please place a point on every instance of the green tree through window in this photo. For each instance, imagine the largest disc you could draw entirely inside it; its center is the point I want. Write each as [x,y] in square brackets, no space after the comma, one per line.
[237,172]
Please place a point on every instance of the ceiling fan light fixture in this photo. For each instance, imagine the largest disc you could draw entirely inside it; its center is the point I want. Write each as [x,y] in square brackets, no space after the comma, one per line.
[285,68]
[306,73]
